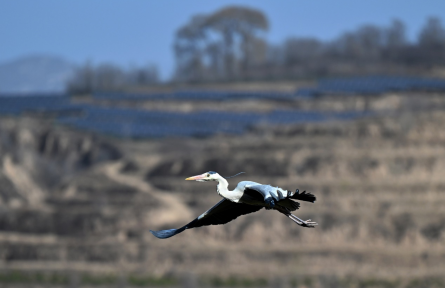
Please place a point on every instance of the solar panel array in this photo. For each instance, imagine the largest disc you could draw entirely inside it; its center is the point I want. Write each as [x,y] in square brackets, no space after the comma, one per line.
[373,85]
[134,123]
[196,95]
[348,86]
[16,105]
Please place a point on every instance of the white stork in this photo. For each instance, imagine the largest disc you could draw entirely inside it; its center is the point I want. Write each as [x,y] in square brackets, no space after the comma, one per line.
[247,197]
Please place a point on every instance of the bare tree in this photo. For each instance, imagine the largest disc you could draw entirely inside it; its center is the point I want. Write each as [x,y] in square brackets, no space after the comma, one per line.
[229,45]
[82,81]
[109,77]
[142,75]
[220,46]
[189,48]
[241,23]
[396,35]
[395,42]
[432,42]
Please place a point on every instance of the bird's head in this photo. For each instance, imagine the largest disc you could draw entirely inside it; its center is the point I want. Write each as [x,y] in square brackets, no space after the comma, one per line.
[208,176]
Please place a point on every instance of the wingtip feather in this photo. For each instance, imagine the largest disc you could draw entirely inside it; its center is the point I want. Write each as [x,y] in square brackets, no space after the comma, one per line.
[304,196]
[164,234]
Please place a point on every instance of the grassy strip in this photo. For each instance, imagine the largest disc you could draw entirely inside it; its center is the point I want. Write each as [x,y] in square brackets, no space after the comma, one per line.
[54,278]
[135,280]
[234,282]
[38,278]
[64,279]
[98,280]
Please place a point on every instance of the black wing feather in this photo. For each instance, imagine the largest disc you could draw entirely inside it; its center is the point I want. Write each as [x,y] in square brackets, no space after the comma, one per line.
[304,196]
[252,195]
[222,213]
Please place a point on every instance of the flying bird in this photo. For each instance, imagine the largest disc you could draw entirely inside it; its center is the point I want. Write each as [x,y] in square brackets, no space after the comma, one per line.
[247,197]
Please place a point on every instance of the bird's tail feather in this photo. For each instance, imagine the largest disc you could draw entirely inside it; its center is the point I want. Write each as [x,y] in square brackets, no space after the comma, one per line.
[304,196]
[163,234]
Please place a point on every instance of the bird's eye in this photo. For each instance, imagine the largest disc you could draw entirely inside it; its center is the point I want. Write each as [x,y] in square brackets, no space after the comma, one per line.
[208,174]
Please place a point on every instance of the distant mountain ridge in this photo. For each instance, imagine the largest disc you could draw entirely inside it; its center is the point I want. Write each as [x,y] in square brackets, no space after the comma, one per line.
[35,74]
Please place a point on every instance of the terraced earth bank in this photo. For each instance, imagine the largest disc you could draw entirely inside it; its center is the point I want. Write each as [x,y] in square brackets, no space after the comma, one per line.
[75,203]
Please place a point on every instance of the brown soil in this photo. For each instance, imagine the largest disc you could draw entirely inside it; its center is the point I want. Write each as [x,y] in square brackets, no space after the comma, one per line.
[70,200]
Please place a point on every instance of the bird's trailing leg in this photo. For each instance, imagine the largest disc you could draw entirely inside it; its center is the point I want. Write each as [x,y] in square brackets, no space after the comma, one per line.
[308,223]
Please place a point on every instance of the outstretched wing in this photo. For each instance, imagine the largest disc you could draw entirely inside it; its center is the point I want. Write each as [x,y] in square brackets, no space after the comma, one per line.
[222,213]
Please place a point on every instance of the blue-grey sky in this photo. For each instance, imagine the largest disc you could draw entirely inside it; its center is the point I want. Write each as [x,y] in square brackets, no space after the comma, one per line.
[136,32]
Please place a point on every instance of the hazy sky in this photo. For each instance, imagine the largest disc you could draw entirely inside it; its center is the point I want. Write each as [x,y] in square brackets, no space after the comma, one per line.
[142,31]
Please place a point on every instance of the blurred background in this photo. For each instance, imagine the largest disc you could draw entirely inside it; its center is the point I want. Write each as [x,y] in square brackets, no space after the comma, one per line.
[105,108]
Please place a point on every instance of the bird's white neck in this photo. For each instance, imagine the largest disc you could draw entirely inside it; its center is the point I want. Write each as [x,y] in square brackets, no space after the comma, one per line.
[222,189]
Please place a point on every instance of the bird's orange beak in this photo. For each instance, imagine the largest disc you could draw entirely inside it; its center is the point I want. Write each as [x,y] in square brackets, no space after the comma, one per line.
[197,177]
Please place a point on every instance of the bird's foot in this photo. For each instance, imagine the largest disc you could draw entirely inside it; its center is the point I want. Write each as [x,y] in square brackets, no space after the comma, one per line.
[270,202]
[308,223]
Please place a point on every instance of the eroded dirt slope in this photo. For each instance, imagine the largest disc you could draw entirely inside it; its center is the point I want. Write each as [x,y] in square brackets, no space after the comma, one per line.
[72,200]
